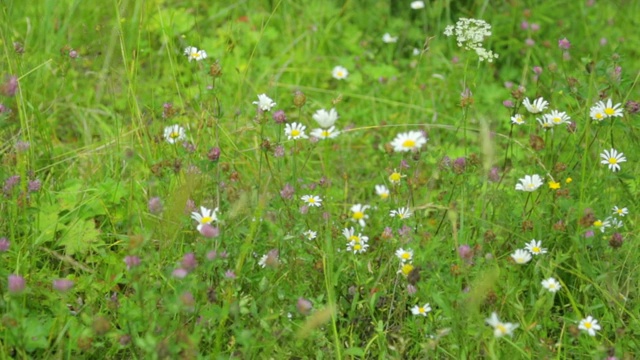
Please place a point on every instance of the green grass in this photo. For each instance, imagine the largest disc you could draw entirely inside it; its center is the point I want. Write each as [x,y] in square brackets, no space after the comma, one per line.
[95,127]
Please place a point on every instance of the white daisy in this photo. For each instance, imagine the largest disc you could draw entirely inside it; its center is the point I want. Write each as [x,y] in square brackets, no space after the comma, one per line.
[529,183]
[358,215]
[339,73]
[387,38]
[609,109]
[350,235]
[551,284]
[325,118]
[401,213]
[194,54]
[517,119]
[417,5]
[539,105]
[612,158]
[535,247]
[205,216]
[395,177]
[295,131]
[615,222]
[312,200]
[557,117]
[404,255]
[620,211]
[597,113]
[264,102]
[412,140]
[323,134]
[590,325]
[174,133]
[382,191]
[357,248]
[521,256]
[499,328]
[545,122]
[602,225]
[310,234]
[421,310]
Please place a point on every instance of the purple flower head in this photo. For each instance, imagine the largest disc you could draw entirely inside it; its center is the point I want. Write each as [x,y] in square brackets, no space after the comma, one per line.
[73,54]
[209,231]
[190,206]
[411,290]
[564,44]
[535,27]
[34,185]
[459,165]
[529,42]
[589,234]
[279,117]
[304,306]
[22,146]
[62,285]
[524,25]
[10,183]
[189,262]
[494,174]
[131,261]
[404,164]
[179,273]
[508,103]
[404,231]
[278,151]
[4,244]
[155,205]
[537,70]
[387,233]
[304,209]
[214,154]
[287,192]
[466,253]
[229,274]
[16,283]
[603,41]
[10,86]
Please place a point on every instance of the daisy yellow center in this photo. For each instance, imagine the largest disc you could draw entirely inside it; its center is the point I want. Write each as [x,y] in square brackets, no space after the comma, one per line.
[587,325]
[311,200]
[384,195]
[530,185]
[597,223]
[355,239]
[295,132]
[501,328]
[619,211]
[194,54]
[421,310]
[535,249]
[406,256]
[325,133]
[406,269]
[358,215]
[395,177]
[552,286]
[339,74]
[609,111]
[599,116]
[613,161]
[206,220]
[409,143]
[174,134]
[557,120]
[357,247]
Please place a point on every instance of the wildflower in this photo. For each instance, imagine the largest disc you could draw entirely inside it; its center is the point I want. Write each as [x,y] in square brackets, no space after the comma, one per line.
[421,310]
[602,225]
[179,273]
[174,133]
[395,177]
[351,236]
[358,215]
[270,259]
[310,234]
[209,231]
[214,154]
[34,185]
[564,44]
[535,247]
[155,205]
[295,131]
[382,191]
[545,122]
[62,285]
[517,119]
[323,134]
[596,112]
[557,117]
[590,325]
[466,253]
[554,185]
[131,261]
[616,240]
[521,256]
[10,87]
[287,191]
[612,158]
[402,213]
[357,248]
[205,216]
[417,5]
[16,283]
[230,274]
[406,269]
[470,34]
[412,140]
[339,73]
[4,244]
[499,328]
[312,200]
[194,54]
[620,211]
[539,105]
[551,284]
[609,109]
[189,262]
[387,38]
[279,117]
[304,306]
[264,102]
[325,118]
[404,255]
[529,183]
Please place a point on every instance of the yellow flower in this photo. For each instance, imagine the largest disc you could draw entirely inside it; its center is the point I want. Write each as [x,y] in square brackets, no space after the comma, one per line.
[406,269]
[554,185]
[568,180]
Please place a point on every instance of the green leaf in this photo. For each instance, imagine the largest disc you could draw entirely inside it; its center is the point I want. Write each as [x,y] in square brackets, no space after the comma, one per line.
[79,238]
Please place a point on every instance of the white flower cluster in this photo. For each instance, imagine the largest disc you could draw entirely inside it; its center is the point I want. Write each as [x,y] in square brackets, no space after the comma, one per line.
[469,34]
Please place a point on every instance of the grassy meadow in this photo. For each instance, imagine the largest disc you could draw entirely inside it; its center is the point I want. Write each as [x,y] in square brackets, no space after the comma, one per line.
[319,179]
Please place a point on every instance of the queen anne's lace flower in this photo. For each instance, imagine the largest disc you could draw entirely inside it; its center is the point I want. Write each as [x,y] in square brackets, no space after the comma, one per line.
[470,33]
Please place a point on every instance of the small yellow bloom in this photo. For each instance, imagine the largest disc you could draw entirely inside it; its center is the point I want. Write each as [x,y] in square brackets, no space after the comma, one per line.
[568,180]
[406,269]
[554,185]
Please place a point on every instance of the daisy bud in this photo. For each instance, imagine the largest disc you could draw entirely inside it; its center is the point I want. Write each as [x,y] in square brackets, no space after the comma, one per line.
[304,306]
